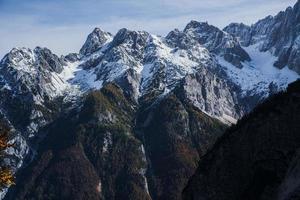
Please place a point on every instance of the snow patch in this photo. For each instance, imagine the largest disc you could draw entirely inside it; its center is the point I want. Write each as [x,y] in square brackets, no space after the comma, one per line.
[144,170]
[107,142]
[257,75]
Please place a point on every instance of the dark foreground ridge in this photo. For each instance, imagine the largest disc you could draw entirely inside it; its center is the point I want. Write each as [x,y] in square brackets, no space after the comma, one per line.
[256,159]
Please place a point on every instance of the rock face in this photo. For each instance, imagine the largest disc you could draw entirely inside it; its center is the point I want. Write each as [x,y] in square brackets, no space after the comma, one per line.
[256,159]
[101,151]
[91,153]
[136,111]
[30,83]
[144,64]
[279,34]
[218,42]
[28,87]
[175,135]
[95,41]
[241,31]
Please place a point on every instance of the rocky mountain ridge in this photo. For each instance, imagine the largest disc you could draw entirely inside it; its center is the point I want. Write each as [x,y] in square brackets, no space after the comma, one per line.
[278,34]
[202,78]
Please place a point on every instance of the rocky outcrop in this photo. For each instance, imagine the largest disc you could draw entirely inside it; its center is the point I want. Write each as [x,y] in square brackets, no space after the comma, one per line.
[175,135]
[48,60]
[28,99]
[91,153]
[257,158]
[95,41]
[28,84]
[278,34]
[162,104]
[218,42]
[38,86]
[72,57]
[213,95]
[122,151]
[241,31]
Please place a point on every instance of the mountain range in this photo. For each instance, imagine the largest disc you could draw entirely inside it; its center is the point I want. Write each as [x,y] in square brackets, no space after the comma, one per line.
[132,115]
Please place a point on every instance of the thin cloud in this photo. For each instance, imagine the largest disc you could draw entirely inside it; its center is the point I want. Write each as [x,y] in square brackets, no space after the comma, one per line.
[63,26]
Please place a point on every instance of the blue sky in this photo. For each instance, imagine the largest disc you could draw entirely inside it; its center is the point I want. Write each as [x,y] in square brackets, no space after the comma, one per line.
[62,25]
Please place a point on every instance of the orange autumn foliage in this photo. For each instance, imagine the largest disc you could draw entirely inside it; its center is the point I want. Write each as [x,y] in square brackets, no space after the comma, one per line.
[6,176]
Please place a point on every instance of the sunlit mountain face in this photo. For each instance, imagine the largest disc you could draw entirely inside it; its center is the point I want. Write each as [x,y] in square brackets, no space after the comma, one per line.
[200,113]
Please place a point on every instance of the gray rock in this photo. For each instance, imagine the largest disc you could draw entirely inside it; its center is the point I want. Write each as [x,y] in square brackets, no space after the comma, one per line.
[218,41]
[72,57]
[279,34]
[49,60]
[95,41]
[256,159]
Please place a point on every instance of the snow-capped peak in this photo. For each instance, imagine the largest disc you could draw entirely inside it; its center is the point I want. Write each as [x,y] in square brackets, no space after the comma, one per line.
[95,41]
[217,42]
[142,63]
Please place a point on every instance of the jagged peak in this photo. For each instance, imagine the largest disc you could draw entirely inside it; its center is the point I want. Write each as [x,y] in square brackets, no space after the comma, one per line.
[173,33]
[196,24]
[19,57]
[72,57]
[19,50]
[18,54]
[39,50]
[202,27]
[46,58]
[128,31]
[99,30]
[236,24]
[177,38]
[268,18]
[95,40]
[125,35]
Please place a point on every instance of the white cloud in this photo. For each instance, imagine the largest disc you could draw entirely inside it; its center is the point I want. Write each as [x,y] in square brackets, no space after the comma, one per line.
[62,38]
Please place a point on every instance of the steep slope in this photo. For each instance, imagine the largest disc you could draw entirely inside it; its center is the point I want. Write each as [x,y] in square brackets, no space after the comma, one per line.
[259,77]
[175,135]
[278,34]
[102,150]
[95,41]
[26,84]
[29,83]
[38,87]
[176,91]
[144,64]
[256,159]
[141,64]
[90,153]
[218,42]
[8,138]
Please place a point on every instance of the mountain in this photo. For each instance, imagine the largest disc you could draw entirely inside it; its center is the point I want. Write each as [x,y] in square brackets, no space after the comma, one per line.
[130,115]
[117,157]
[256,159]
[218,42]
[278,34]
